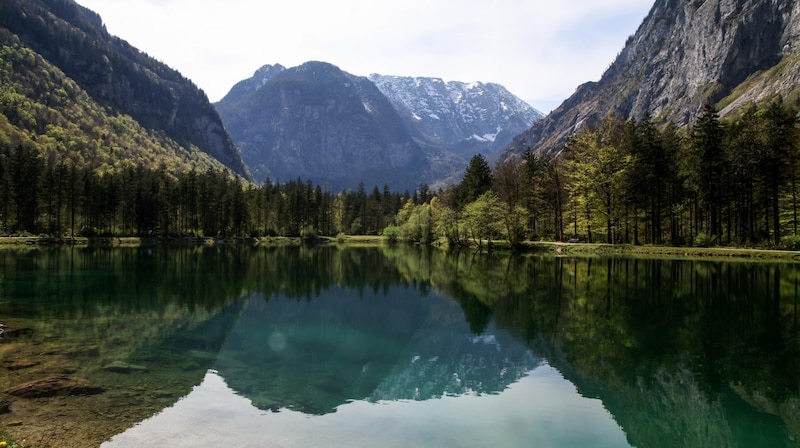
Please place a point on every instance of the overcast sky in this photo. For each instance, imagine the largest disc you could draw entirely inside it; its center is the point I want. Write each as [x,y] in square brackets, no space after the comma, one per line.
[539,50]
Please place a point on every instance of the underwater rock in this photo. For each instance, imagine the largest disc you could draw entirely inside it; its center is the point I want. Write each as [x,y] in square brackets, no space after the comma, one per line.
[55,386]
[9,333]
[19,364]
[92,351]
[121,367]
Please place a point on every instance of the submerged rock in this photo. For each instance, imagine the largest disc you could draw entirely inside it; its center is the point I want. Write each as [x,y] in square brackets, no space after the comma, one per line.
[9,333]
[55,386]
[121,367]
[19,364]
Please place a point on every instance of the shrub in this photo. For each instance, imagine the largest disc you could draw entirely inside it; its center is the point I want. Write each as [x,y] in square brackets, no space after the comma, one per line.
[705,240]
[790,242]
[391,233]
[88,232]
[309,233]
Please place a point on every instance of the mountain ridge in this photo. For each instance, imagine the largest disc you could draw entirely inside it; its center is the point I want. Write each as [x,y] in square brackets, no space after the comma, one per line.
[120,78]
[683,55]
[466,118]
[322,124]
[426,125]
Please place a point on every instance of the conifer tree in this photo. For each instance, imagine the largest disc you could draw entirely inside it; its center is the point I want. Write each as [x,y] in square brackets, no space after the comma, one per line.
[477,181]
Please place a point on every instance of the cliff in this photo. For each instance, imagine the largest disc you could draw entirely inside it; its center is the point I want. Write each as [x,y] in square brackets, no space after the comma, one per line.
[685,54]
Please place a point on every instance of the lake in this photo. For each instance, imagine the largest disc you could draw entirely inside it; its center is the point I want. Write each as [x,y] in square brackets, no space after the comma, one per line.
[395,346]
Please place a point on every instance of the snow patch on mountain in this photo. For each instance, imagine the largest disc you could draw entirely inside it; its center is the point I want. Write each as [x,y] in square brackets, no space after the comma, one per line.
[465,117]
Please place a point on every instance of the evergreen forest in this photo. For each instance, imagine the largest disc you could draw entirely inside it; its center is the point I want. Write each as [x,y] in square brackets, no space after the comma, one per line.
[621,181]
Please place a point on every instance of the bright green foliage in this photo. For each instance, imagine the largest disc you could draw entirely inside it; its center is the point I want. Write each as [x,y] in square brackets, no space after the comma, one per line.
[416,223]
[543,194]
[44,111]
[483,219]
[391,233]
[598,166]
[448,224]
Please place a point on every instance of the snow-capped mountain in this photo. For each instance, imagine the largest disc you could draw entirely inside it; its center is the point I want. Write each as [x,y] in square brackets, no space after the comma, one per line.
[466,118]
[322,124]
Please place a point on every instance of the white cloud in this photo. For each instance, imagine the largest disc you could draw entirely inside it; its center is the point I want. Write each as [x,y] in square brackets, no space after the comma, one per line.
[539,50]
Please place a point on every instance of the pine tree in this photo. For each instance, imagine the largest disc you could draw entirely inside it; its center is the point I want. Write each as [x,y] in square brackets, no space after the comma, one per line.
[707,173]
[477,181]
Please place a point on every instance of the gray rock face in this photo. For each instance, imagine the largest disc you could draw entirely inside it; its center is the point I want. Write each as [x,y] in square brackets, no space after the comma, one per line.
[324,125]
[249,86]
[464,118]
[684,54]
[321,124]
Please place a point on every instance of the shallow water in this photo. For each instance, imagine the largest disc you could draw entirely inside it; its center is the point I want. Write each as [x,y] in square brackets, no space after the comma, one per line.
[326,346]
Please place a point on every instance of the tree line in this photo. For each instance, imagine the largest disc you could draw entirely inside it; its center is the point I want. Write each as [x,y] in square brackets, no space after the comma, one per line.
[44,196]
[620,181]
[631,181]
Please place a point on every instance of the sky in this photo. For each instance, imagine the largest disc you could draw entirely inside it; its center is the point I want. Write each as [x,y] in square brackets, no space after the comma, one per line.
[540,50]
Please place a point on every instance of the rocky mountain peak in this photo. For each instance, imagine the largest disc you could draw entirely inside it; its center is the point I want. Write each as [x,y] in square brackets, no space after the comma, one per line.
[260,78]
[684,54]
[319,123]
[467,118]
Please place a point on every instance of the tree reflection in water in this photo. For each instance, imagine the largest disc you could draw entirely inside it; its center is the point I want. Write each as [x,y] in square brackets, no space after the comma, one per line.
[682,352]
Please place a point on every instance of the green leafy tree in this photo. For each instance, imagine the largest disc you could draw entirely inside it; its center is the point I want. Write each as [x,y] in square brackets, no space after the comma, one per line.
[598,167]
[483,219]
[544,193]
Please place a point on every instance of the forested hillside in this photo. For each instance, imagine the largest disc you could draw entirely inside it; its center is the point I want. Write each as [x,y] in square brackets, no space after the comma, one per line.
[44,111]
[57,52]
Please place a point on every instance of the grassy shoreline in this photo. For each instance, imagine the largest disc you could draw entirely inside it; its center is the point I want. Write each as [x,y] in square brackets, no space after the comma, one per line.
[666,251]
[558,248]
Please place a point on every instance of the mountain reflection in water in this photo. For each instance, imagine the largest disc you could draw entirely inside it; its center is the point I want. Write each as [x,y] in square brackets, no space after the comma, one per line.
[401,346]
[315,355]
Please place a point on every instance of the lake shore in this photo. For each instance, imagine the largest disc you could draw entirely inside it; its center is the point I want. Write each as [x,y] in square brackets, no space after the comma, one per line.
[666,251]
[558,248]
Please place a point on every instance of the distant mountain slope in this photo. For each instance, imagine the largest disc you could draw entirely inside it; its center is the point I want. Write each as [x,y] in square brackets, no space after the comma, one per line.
[120,79]
[246,87]
[42,108]
[465,118]
[382,130]
[684,54]
[322,124]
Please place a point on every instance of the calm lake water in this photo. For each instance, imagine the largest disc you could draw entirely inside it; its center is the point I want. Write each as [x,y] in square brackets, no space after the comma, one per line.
[398,347]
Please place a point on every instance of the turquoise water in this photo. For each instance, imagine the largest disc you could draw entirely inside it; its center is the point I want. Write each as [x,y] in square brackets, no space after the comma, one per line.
[296,347]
